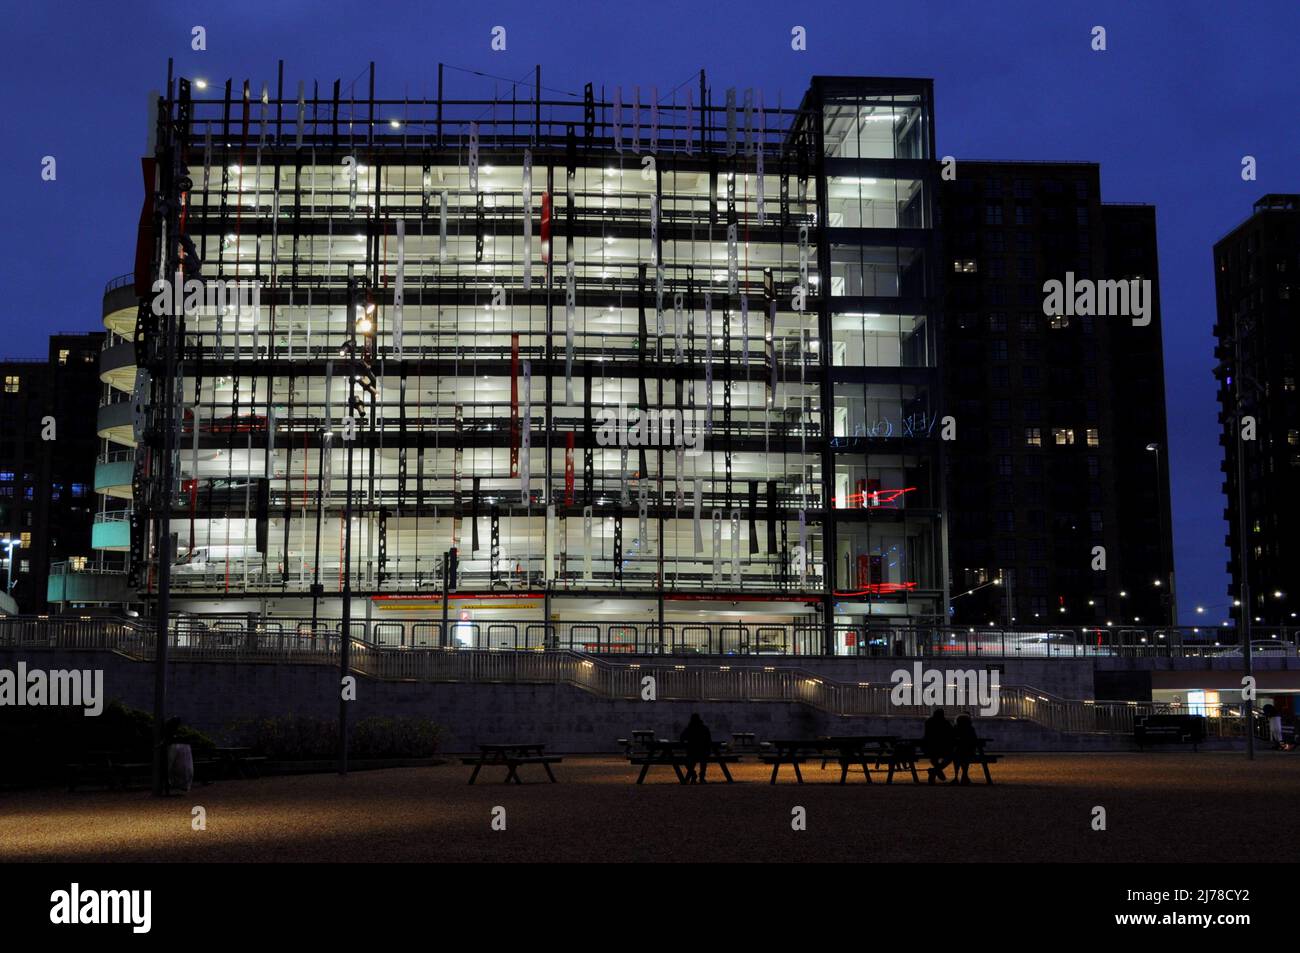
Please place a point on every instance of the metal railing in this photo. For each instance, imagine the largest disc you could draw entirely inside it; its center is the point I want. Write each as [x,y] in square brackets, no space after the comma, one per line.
[232,641]
[722,640]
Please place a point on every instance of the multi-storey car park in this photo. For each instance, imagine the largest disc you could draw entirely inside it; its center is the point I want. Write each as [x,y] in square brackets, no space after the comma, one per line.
[471,318]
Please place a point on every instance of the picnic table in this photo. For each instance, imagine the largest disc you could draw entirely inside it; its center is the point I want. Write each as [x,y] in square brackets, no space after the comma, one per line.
[673,753]
[511,756]
[847,750]
[905,753]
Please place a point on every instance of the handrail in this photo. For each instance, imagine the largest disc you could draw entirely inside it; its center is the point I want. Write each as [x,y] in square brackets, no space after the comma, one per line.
[121,281]
[235,642]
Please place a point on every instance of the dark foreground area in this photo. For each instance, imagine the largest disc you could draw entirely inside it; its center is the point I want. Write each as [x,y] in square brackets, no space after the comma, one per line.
[1161,806]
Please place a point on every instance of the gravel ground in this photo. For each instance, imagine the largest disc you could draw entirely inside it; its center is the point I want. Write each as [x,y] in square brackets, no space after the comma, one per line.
[1165,806]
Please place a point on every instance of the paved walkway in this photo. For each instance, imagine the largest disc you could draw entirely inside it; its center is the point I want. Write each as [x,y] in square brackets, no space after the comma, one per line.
[1162,806]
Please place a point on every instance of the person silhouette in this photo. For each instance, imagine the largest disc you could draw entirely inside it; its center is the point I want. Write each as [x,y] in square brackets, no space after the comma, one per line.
[699,745]
[964,747]
[937,744]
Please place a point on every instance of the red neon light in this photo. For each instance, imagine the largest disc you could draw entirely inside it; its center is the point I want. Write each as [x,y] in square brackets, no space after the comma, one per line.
[880,589]
[876,497]
[395,597]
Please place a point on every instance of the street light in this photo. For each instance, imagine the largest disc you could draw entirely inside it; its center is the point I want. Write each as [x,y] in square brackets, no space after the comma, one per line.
[1160,523]
[10,545]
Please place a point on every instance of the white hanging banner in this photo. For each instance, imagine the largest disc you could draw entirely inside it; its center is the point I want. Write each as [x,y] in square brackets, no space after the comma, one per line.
[708,363]
[326,464]
[442,227]
[733,260]
[570,300]
[735,548]
[398,287]
[803,545]
[749,121]
[636,120]
[654,120]
[731,121]
[654,230]
[550,542]
[618,120]
[717,547]
[526,433]
[744,329]
[473,157]
[679,347]
[588,542]
[690,125]
[695,516]
[528,219]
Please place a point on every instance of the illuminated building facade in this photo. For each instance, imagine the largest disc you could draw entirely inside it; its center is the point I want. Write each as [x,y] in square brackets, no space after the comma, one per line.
[665,359]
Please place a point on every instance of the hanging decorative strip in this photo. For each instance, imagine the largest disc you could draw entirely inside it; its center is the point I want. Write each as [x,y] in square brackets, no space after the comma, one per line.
[717,547]
[679,345]
[698,505]
[528,220]
[570,303]
[690,125]
[654,120]
[618,120]
[735,548]
[731,121]
[398,287]
[708,363]
[588,543]
[749,121]
[744,331]
[442,227]
[526,436]
[568,468]
[636,120]
[473,157]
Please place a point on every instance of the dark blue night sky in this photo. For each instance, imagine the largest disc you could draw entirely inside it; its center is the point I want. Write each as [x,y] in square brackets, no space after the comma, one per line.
[1184,90]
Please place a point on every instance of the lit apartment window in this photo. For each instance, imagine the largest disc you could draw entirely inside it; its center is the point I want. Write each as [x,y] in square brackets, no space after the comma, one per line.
[23,565]
[77,563]
[1094,437]
[1033,437]
[12,382]
[63,355]
[26,540]
[1293,437]
[1063,436]
[964,266]
[1059,321]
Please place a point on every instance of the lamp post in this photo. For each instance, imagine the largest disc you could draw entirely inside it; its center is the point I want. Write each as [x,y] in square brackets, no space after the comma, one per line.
[10,545]
[1160,523]
[359,373]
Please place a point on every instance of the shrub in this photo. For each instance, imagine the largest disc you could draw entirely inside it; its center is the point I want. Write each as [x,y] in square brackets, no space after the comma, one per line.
[306,738]
[39,741]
